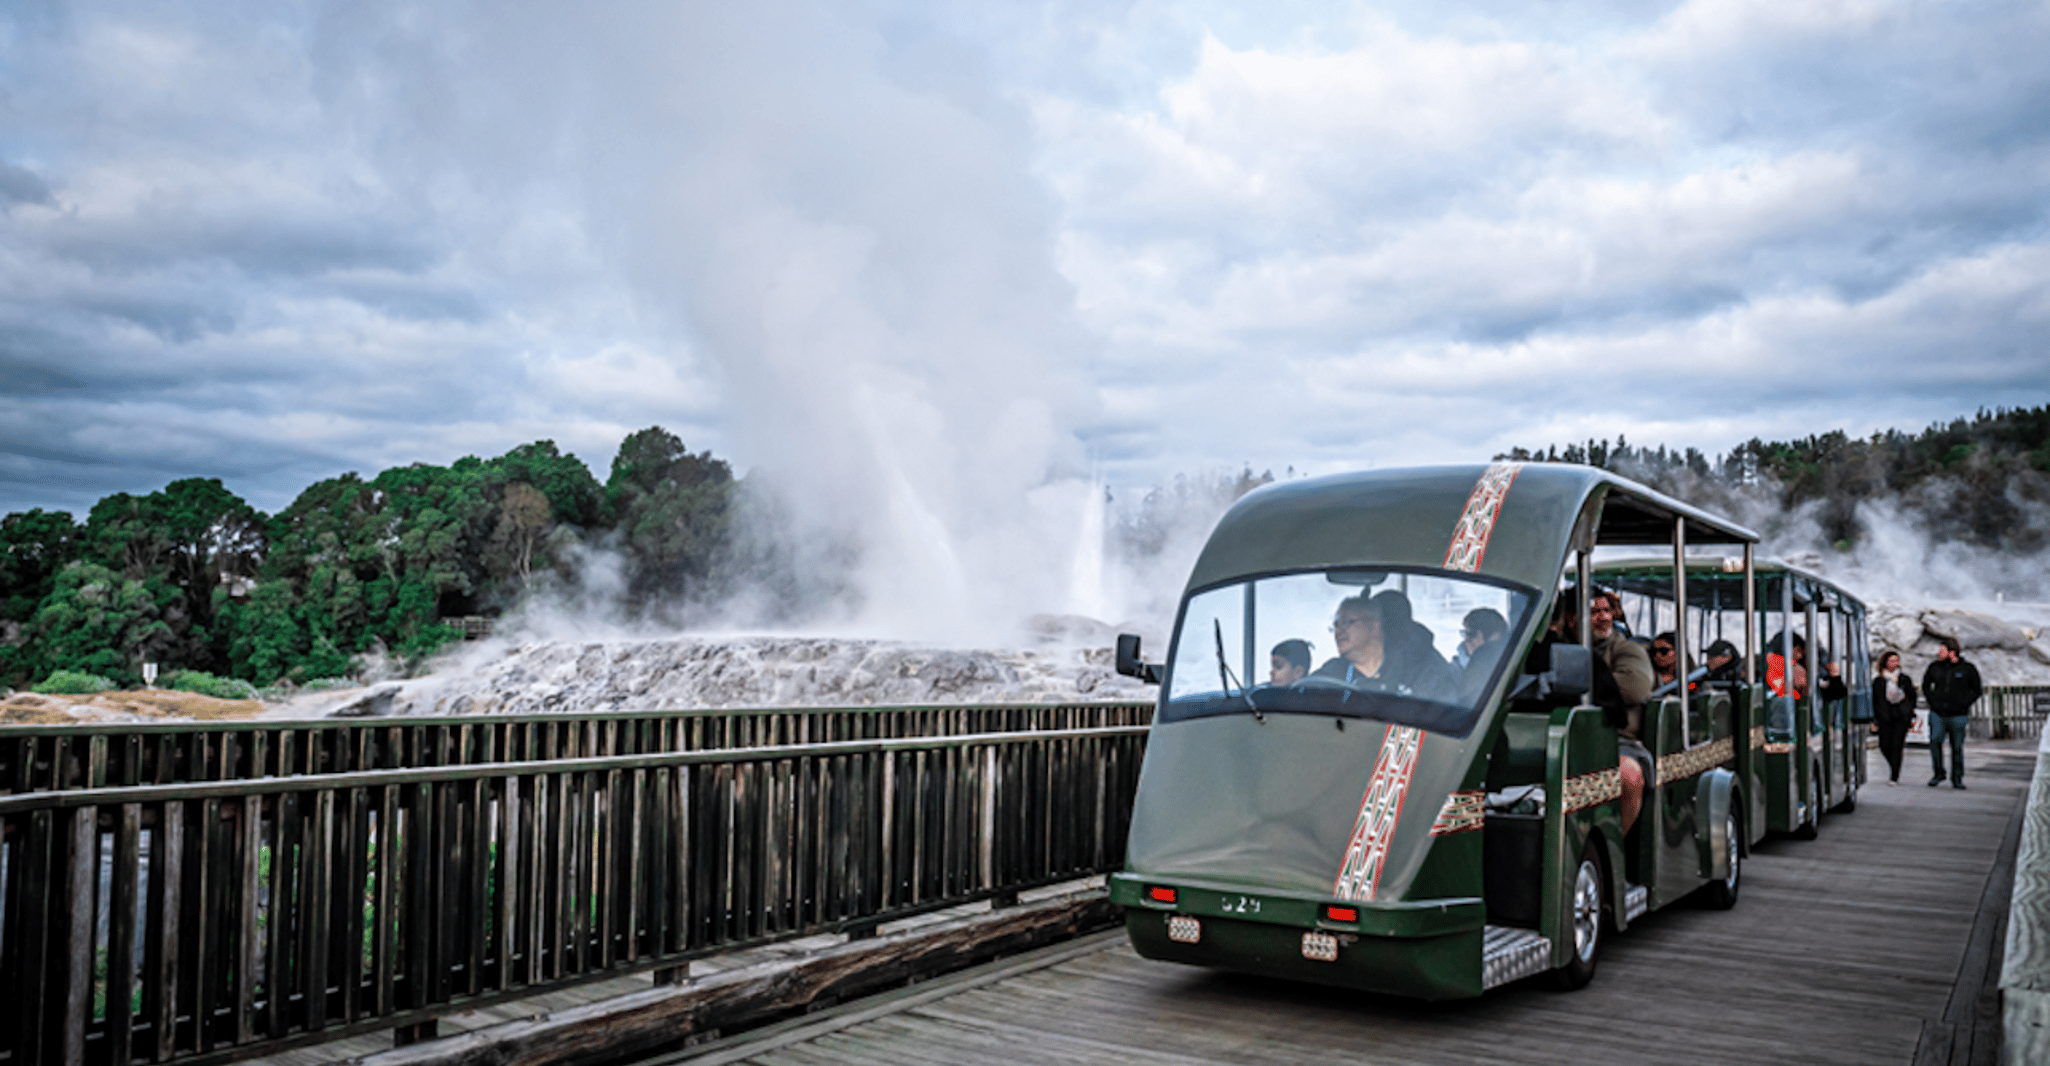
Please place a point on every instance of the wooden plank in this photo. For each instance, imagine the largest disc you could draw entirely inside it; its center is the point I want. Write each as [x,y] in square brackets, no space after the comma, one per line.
[1844,950]
[669,1014]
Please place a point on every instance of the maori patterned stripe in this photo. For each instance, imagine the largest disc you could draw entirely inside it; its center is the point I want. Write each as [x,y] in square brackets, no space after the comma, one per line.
[1380,808]
[1477,523]
[1587,790]
[1463,812]
[1359,874]
[1682,765]
[1367,852]
[1757,737]
[1779,748]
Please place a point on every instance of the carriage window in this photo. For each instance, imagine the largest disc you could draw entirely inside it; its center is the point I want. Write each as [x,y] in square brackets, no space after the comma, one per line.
[1414,647]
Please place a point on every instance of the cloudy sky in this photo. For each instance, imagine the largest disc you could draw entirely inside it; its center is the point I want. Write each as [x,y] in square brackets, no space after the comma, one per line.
[900,253]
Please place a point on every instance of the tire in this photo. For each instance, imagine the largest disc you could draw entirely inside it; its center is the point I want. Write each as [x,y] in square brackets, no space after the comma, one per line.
[1811,827]
[1589,900]
[1850,800]
[1722,894]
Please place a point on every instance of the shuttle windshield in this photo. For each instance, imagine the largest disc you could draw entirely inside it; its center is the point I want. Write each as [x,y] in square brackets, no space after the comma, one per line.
[1411,647]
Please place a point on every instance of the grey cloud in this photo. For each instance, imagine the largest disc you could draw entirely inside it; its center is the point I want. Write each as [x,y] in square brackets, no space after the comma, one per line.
[19,185]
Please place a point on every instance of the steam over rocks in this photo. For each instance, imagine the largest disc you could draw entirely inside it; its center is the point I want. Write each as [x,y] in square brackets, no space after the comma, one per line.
[2005,653]
[1072,662]
[761,671]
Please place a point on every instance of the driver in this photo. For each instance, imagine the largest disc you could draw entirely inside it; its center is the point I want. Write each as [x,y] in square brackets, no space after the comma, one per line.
[1288,663]
[1377,642]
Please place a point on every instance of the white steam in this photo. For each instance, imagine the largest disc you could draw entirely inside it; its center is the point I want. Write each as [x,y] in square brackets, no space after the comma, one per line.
[846,229]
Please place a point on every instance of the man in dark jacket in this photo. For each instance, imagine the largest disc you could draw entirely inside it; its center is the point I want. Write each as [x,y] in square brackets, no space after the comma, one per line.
[1951,685]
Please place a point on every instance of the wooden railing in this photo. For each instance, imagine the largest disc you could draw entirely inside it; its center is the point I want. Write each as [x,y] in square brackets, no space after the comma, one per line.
[210,921]
[97,755]
[2006,711]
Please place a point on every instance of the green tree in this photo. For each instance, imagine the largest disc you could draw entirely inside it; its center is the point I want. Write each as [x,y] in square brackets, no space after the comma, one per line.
[672,511]
[524,520]
[97,621]
[573,494]
[34,545]
[181,543]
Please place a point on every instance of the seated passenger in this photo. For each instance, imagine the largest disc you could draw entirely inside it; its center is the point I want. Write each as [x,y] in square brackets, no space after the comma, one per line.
[1619,692]
[1723,663]
[1483,627]
[1288,663]
[1776,670]
[1377,642]
[1665,662]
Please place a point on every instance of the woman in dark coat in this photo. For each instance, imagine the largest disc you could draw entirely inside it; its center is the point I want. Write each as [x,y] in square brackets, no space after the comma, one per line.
[1893,711]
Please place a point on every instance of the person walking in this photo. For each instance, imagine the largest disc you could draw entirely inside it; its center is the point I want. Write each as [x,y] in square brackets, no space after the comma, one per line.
[1893,711]
[1951,685]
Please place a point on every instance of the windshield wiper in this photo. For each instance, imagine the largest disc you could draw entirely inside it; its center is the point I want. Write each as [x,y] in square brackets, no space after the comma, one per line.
[1224,673]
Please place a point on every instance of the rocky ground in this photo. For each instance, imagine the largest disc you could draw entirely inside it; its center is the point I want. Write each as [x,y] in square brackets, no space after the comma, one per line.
[757,671]
[28,708]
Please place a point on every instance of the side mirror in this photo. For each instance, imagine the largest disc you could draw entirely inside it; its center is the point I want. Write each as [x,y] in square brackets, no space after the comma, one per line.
[1129,663]
[1572,672]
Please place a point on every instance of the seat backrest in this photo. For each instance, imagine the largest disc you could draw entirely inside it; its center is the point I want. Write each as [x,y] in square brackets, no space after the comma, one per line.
[1519,755]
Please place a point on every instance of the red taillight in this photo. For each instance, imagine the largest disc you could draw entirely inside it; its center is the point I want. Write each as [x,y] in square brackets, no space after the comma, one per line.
[1160,894]
[1341,914]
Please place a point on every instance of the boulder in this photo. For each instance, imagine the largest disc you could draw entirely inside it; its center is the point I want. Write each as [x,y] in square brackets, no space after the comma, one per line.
[1972,629]
[373,702]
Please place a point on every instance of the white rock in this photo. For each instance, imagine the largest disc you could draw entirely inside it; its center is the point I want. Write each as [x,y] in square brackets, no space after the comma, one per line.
[691,672]
[1974,630]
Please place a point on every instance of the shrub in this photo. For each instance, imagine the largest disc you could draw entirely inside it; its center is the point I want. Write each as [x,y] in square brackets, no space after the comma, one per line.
[226,688]
[73,683]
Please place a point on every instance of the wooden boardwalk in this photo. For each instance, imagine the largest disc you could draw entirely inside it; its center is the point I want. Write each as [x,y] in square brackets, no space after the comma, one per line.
[1877,943]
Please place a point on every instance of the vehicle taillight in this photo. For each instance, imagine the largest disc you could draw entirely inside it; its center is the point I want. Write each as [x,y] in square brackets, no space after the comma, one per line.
[1160,894]
[1341,914]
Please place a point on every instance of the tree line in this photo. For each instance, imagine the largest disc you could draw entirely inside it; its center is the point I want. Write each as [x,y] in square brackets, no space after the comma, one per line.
[193,577]
[1983,481]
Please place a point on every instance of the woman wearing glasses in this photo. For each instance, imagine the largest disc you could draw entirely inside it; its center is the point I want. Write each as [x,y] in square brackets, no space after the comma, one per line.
[1665,664]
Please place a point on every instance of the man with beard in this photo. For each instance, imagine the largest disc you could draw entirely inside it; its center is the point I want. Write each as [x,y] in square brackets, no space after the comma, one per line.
[1951,685]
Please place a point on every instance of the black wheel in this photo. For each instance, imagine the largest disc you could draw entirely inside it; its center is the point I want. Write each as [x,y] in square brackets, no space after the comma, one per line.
[1811,824]
[1850,800]
[1722,894]
[1589,902]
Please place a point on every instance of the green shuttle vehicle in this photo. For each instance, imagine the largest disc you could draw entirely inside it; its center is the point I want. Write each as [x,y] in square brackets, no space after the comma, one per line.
[1345,785]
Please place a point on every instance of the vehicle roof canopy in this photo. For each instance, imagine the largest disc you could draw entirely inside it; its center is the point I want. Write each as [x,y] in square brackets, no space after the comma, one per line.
[1407,517]
[1702,573]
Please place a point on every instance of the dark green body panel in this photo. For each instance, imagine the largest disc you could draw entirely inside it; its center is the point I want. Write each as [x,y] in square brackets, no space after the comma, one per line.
[1446,966]
[1234,799]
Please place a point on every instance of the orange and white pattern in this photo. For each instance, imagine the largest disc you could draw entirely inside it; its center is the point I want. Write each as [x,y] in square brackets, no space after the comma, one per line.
[1464,812]
[1477,522]
[1374,829]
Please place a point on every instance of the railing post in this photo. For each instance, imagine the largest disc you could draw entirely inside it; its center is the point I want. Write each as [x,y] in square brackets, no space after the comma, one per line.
[79,908]
[418,1032]
[988,828]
